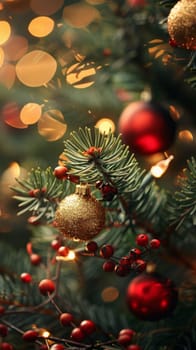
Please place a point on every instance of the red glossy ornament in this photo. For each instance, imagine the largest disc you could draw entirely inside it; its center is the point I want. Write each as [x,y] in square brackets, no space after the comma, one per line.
[146,128]
[151,297]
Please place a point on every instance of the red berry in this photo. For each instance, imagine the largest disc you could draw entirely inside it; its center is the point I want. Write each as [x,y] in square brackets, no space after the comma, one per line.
[125,261]
[6,346]
[30,335]
[43,347]
[63,251]
[26,277]
[109,266]
[60,172]
[99,184]
[140,265]
[142,239]
[55,244]
[66,318]
[128,331]
[135,254]
[108,192]
[46,286]
[87,326]
[77,334]
[34,192]
[3,330]
[134,347]
[106,251]
[155,243]
[91,247]
[122,270]
[124,339]
[2,310]
[35,259]
[57,347]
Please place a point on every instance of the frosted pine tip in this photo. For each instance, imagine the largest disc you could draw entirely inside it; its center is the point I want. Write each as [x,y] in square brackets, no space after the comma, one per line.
[70,256]
[161,167]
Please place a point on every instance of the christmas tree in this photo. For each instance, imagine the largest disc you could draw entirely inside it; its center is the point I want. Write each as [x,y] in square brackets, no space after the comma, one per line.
[98,182]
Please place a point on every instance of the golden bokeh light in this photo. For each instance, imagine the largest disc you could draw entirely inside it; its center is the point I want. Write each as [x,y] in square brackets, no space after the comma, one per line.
[5,31]
[51,125]
[175,114]
[80,15]
[15,47]
[105,125]
[110,294]
[2,55]
[11,115]
[185,136]
[30,113]
[46,8]
[36,68]
[80,76]
[7,75]
[41,26]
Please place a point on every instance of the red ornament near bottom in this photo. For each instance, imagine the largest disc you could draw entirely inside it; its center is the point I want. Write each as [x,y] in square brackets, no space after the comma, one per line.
[151,297]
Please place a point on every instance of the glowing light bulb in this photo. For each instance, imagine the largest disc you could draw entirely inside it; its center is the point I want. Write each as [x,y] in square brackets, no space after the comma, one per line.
[161,167]
[69,257]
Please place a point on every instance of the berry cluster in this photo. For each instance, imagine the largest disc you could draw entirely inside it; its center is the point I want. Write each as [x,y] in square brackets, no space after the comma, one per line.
[134,260]
[125,337]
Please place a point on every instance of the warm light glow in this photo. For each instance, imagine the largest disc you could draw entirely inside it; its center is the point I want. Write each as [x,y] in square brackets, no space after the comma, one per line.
[2,55]
[36,68]
[15,47]
[30,113]
[80,15]
[185,136]
[51,125]
[110,294]
[41,26]
[46,8]
[11,115]
[161,167]
[5,31]
[77,73]
[44,333]
[70,256]
[105,125]
[7,75]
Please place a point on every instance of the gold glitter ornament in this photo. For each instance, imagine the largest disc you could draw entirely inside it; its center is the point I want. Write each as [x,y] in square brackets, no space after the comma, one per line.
[182,24]
[80,216]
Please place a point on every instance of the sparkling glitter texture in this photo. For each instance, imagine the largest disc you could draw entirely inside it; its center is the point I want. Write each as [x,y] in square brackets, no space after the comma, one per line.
[182,24]
[80,216]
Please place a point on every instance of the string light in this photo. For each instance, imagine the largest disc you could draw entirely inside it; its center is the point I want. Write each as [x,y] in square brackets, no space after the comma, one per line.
[70,256]
[161,167]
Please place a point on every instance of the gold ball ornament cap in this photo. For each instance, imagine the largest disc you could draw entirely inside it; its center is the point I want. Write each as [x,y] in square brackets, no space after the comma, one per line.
[80,216]
[182,24]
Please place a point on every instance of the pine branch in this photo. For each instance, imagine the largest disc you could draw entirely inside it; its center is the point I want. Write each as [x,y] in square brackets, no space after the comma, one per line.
[40,193]
[182,207]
